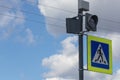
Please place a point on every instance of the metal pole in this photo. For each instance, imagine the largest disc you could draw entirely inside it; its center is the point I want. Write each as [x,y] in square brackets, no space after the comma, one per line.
[81,70]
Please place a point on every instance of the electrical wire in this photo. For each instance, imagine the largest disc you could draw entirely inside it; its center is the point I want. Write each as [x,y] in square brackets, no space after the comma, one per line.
[53,25]
[109,20]
[31,20]
[68,11]
[30,12]
[57,19]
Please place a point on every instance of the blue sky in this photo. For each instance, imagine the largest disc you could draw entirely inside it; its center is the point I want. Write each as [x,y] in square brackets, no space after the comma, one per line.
[33,49]
[22,51]
[21,60]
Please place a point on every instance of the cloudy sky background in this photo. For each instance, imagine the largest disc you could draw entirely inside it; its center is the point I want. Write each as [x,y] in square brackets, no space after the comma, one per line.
[34,44]
[108,27]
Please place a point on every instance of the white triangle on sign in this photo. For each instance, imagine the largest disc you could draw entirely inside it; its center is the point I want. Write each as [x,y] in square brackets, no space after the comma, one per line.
[100,56]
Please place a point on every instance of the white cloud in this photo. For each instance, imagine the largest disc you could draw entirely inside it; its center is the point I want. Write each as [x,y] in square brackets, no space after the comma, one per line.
[108,15]
[12,21]
[116,76]
[115,40]
[65,62]
[93,76]
[99,76]
[58,79]
[8,20]
[29,37]
[60,14]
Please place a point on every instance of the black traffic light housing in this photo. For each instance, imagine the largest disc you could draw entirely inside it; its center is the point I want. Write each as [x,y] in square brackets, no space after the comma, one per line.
[91,22]
[74,25]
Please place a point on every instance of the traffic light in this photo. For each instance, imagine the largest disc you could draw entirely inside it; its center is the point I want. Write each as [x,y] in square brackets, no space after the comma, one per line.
[91,22]
[74,25]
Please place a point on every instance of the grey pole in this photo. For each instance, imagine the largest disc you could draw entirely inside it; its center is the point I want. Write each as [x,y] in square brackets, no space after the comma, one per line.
[81,70]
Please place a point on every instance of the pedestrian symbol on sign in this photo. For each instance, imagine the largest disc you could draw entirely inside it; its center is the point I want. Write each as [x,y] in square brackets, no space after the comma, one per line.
[100,56]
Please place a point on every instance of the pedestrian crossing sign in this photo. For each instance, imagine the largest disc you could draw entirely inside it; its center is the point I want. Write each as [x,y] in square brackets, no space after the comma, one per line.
[99,54]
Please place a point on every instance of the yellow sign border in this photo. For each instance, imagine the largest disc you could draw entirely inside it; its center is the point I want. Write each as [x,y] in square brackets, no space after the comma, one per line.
[106,41]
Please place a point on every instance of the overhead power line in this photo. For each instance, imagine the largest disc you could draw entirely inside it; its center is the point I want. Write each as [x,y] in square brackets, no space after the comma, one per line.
[70,11]
[37,14]
[52,25]
[61,9]
[57,19]
[31,20]
[110,20]
[30,12]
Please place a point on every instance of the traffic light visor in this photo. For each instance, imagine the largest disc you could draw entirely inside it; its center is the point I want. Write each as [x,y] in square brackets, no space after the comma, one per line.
[91,22]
